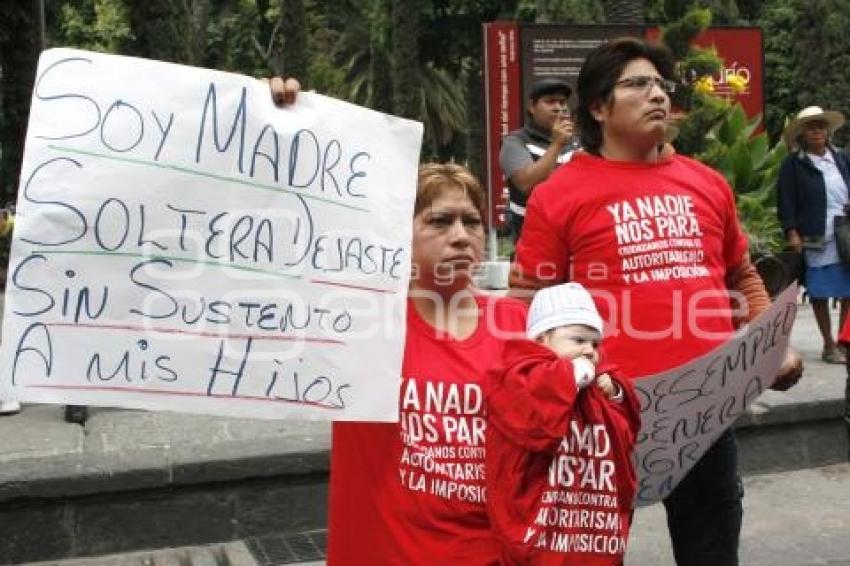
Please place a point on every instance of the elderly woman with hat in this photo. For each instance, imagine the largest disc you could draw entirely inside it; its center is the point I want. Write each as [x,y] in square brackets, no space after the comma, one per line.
[812,190]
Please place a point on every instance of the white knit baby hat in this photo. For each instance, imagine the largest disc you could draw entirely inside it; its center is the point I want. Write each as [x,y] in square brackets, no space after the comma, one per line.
[561,305]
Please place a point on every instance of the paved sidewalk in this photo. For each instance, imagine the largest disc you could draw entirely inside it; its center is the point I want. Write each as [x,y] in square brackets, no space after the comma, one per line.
[799,518]
[822,383]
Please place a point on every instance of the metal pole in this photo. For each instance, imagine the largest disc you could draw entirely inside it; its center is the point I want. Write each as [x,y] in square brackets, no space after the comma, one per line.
[42,32]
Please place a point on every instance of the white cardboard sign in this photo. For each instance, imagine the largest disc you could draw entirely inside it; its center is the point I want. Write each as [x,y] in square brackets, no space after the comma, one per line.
[183,244]
[684,410]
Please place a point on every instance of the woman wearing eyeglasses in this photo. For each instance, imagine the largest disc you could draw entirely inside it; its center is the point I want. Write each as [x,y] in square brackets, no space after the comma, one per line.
[656,239]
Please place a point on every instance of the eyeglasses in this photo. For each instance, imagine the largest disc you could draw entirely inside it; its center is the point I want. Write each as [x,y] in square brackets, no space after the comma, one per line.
[645,82]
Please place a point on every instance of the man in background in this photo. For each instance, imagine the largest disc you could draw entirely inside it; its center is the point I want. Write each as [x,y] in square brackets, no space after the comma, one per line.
[532,152]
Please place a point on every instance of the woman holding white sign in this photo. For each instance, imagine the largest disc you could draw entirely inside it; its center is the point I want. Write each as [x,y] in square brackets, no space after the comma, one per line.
[413,492]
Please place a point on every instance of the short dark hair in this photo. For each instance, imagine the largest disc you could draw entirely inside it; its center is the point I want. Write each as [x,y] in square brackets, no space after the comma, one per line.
[598,76]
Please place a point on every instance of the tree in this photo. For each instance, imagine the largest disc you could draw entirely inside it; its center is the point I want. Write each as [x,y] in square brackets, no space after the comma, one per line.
[243,36]
[778,19]
[295,59]
[666,11]
[462,20]
[19,49]
[561,11]
[97,25]
[695,65]
[822,51]
[371,81]
[751,167]
[365,52]
[406,72]
[624,12]
[161,29]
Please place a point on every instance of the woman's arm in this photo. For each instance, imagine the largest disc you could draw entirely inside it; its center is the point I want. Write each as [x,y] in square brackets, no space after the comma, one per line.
[786,202]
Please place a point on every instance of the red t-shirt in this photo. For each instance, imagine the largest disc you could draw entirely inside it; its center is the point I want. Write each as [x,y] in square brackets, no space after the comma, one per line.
[559,470]
[414,492]
[844,333]
[653,244]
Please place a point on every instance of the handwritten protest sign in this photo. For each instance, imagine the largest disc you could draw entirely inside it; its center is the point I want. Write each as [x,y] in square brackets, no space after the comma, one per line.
[684,410]
[183,244]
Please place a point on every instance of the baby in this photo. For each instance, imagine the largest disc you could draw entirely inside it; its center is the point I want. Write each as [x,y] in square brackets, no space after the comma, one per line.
[562,428]
[565,320]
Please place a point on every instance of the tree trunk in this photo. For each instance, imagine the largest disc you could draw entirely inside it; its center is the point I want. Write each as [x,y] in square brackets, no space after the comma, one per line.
[475,140]
[406,91]
[293,20]
[197,17]
[20,45]
[164,29]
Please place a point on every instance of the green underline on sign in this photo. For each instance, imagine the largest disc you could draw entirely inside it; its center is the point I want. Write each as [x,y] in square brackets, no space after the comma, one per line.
[199,173]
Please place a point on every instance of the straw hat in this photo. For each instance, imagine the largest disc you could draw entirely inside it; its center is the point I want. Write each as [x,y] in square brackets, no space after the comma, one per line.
[834,120]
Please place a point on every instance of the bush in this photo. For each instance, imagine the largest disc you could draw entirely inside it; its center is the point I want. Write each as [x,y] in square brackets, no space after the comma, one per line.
[751,167]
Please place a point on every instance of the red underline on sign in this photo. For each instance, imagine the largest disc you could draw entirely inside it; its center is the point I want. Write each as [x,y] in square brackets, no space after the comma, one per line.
[182,394]
[196,333]
[350,286]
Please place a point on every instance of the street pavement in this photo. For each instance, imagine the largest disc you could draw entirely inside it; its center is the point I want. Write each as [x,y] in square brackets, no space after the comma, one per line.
[797,518]
[792,518]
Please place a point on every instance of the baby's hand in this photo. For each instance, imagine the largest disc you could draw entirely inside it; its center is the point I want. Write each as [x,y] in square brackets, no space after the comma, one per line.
[607,385]
[584,372]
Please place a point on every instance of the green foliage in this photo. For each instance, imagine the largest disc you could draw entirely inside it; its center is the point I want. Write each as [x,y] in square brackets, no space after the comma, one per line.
[324,38]
[293,25]
[822,55]
[350,49]
[701,62]
[365,54]
[460,57]
[234,42]
[624,12]
[98,25]
[19,48]
[561,11]
[679,33]
[161,31]
[777,20]
[246,36]
[701,110]
[406,78]
[723,12]
[442,105]
[751,166]
[750,10]
[706,111]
